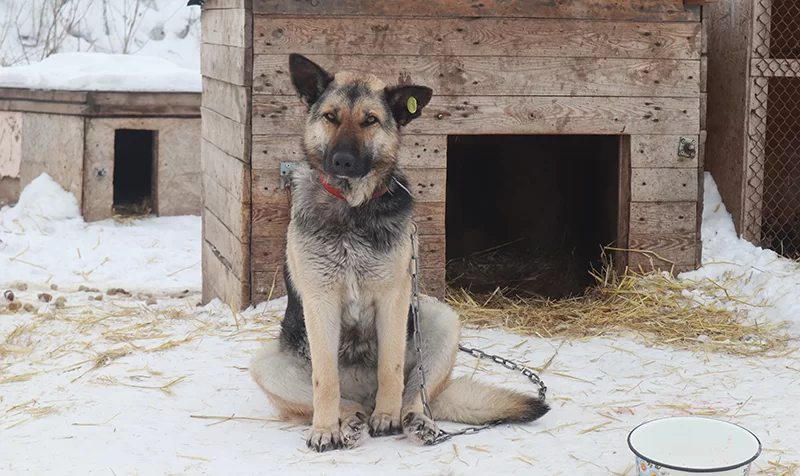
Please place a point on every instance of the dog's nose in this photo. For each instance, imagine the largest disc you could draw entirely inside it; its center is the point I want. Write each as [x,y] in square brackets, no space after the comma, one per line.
[345,164]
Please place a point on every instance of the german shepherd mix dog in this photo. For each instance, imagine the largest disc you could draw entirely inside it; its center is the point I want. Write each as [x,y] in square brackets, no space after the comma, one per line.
[343,361]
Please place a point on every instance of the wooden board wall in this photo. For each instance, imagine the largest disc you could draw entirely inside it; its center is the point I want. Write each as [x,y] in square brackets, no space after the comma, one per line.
[226,66]
[504,73]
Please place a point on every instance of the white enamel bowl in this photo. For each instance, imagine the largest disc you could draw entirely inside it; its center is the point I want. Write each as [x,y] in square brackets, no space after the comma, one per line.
[688,446]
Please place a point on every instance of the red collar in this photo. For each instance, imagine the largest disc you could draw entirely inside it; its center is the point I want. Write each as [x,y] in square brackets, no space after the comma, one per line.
[338,193]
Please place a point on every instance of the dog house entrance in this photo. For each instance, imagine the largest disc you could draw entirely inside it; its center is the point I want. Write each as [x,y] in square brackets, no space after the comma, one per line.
[134,158]
[530,214]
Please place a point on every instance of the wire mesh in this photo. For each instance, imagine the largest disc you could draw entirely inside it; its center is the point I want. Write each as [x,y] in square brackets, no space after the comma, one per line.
[772,196]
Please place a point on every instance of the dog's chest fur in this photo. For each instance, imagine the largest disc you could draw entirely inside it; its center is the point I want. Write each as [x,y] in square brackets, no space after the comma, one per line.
[352,249]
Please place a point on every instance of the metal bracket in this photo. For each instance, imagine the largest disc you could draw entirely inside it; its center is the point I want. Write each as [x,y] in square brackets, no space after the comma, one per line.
[687,148]
[286,173]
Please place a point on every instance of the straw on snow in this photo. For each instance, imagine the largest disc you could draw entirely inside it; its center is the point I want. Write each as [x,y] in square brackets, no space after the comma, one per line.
[654,306]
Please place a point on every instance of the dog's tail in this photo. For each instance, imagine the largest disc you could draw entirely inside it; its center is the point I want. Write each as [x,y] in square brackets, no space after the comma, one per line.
[474,403]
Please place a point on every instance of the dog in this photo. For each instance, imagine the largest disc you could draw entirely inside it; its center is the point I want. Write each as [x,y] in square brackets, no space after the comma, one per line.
[344,360]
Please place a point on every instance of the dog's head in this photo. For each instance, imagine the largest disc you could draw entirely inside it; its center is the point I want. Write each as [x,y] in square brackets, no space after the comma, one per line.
[353,120]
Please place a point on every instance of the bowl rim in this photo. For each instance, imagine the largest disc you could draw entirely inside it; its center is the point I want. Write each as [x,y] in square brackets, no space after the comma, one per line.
[695,470]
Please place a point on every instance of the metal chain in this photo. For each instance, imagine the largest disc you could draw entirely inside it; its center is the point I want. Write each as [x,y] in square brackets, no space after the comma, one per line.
[478,353]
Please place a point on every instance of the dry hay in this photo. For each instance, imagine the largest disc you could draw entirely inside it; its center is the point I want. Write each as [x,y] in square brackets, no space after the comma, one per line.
[653,306]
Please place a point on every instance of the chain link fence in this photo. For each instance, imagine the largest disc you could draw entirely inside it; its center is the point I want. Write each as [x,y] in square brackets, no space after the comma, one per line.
[772,194]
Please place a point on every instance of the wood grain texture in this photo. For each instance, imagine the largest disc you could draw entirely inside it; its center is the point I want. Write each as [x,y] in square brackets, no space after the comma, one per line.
[227,4]
[220,282]
[230,27]
[227,99]
[267,253]
[664,185]
[623,204]
[657,10]
[416,151]
[430,217]
[270,218]
[475,37]
[432,251]
[263,282]
[433,282]
[660,151]
[229,172]
[46,95]
[143,104]
[678,249]
[515,115]
[502,76]
[230,64]
[729,45]
[178,171]
[231,252]
[230,136]
[230,210]
[675,218]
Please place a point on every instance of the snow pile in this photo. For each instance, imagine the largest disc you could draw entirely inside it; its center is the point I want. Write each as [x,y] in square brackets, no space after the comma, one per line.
[102,72]
[44,240]
[767,284]
[31,30]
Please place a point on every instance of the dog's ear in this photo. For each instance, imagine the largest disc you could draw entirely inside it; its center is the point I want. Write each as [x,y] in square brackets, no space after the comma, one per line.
[308,78]
[406,102]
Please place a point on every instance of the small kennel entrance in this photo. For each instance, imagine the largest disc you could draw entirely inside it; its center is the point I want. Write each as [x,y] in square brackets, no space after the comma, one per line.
[134,159]
[530,214]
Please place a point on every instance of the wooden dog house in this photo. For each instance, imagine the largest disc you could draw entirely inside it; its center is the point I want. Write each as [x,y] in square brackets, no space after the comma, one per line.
[535,102]
[754,111]
[117,152]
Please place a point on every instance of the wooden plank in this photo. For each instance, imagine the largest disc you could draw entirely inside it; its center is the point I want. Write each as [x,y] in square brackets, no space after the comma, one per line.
[231,27]
[703,110]
[268,253]
[653,151]
[230,210]
[704,74]
[233,254]
[227,99]
[676,218]
[219,281]
[227,4]
[230,136]
[46,95]
[433,282]
[623,204]
[475,37]
[271,218]
[429,152]
[144,104]
[656,10]
[230,64]
[430,217]
[664,185]
[178,179]
[678,249]
[44,107]
[229,172]
[503,76]
[263,285]
[515,115]
[432,251]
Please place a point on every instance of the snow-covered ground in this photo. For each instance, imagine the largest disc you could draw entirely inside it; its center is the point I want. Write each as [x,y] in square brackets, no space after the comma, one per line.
[156,385]
[93,45]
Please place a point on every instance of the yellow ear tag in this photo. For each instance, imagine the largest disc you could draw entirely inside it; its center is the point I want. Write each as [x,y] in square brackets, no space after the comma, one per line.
[412,105]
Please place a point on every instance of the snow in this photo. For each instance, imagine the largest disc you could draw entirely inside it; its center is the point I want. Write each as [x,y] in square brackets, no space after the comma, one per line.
[120,386]
[769,283]
[44,240]
[102,72]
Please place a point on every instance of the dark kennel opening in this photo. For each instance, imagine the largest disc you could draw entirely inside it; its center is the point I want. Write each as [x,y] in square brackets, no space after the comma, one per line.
[134,162]
[530,214]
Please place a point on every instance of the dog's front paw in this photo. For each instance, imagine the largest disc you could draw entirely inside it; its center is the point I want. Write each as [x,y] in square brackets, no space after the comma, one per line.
[354,431]
[383,424]
[324,439]
[420,429]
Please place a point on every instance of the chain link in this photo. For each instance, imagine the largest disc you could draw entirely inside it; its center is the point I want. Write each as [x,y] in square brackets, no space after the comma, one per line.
[478,353]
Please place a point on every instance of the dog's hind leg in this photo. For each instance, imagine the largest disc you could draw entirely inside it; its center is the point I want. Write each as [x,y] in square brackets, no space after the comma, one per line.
[440,331]
[286,379]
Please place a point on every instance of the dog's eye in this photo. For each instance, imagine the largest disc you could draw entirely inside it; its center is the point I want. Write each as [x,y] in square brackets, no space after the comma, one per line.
[330,117]
[370,120]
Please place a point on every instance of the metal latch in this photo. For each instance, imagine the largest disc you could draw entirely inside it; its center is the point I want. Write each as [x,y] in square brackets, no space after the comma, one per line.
[687,148]
[286,173]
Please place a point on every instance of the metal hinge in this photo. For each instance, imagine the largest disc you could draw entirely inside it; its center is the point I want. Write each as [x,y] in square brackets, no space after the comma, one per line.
[286,173]
[687,147]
